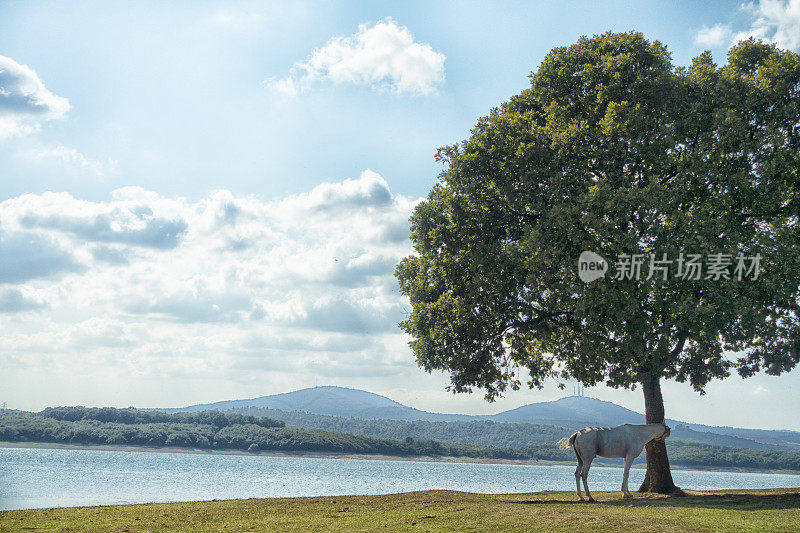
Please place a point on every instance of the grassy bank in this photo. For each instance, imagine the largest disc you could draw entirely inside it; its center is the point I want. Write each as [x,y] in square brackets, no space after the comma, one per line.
[753,510]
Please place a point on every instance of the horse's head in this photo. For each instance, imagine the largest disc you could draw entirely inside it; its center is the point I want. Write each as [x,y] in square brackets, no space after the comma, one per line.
[664,435]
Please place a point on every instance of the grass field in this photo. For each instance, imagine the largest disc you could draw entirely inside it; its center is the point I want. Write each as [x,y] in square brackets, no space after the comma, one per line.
[763,510]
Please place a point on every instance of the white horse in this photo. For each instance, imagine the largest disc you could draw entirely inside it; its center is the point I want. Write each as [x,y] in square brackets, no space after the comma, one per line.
[624,441]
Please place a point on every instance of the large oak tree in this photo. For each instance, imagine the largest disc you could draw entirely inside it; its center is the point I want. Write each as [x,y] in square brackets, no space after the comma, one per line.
[614,150]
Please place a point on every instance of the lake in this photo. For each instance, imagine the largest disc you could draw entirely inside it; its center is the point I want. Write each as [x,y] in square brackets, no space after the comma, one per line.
[35,478]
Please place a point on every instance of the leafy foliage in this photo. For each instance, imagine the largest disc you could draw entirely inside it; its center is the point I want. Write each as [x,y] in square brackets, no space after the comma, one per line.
[614,150]
[136,416]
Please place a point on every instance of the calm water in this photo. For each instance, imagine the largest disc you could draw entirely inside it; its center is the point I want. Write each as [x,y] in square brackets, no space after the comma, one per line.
[31,478]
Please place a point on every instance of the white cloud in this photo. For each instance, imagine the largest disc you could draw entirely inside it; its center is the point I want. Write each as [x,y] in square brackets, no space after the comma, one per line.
[25,256]
[712,36]
[383,55]
[775,21]
[370,189]
[286,86]
[14,300]
[24,100]
[225,287]
[71,158]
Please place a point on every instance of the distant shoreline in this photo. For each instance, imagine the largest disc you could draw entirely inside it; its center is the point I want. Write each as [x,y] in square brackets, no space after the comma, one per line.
[267,453]
[338,455]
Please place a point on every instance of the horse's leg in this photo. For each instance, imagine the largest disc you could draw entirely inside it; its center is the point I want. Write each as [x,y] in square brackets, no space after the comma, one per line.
[587,463]
[628,462]
[578,475]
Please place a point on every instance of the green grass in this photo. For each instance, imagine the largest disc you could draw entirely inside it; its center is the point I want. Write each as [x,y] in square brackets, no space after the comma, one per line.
[762,510]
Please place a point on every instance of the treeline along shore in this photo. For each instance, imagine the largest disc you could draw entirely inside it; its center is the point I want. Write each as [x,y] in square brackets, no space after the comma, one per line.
[217,430]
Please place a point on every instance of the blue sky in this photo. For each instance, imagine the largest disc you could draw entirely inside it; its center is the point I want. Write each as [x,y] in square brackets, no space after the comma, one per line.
[207,199]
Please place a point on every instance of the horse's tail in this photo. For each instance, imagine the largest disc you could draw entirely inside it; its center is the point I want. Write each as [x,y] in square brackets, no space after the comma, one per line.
[568,442]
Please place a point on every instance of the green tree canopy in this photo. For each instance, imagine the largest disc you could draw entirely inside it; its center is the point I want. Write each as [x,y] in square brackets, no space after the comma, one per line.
[615,150]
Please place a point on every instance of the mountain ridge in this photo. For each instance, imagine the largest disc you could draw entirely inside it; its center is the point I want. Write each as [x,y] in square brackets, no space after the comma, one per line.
[332,401]
[566,411]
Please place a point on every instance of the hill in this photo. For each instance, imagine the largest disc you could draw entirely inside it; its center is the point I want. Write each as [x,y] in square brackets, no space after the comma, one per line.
[479,431]
[571,412]
[332,401]
[573,408]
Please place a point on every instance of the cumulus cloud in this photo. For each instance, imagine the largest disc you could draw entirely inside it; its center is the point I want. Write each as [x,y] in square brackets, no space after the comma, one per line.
[383,55]
[24,100]
[341,315]
[369,190]
[713,36]
[105,332]
[13,300]
[112,255]
[196,305]
[26,256]
[120,227]
[73,159]
[775,21]
[224,285]
[357,269]
[126,221]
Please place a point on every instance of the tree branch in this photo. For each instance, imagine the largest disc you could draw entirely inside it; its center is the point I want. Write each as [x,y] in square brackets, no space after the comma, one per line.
[682,336]
[540,318]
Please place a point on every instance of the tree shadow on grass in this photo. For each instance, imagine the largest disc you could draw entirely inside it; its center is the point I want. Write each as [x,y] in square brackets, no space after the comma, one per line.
[542,502]
[729,501]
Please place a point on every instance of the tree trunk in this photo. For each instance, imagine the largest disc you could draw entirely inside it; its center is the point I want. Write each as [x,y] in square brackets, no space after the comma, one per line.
[658,477]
